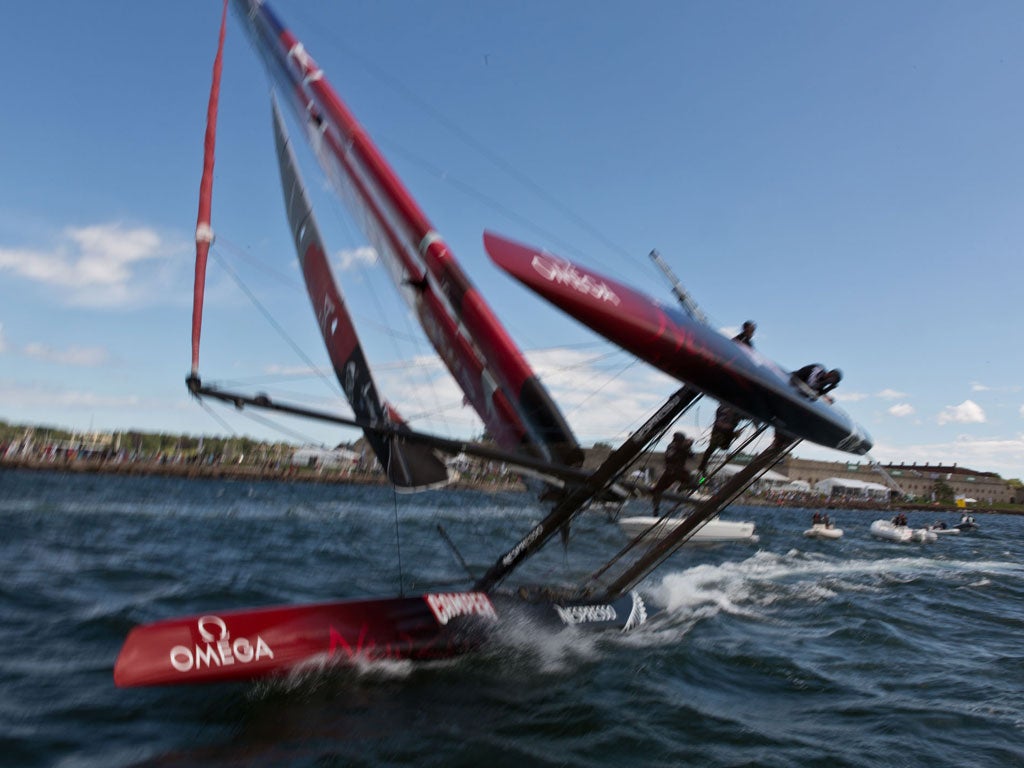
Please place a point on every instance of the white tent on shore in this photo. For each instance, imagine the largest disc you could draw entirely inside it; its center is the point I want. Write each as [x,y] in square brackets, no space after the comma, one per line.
[852,489]
[795,486]
[769,481]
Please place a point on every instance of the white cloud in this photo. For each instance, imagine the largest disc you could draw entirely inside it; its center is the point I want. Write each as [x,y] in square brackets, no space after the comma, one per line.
[600,400]
[991,453]
[977,386]
[89,357]
[1022,410]
[103,265]
[17,395]
[891,394]
[902,409]
[850,397]
[3,341]
[355,257]
[968,412]
[275,369]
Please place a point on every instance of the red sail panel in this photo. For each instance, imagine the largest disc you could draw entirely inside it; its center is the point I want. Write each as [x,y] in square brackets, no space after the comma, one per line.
[408,466]
[204,233]
[493,372]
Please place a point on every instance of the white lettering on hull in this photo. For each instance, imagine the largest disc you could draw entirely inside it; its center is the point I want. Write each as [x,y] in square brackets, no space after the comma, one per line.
[447,606]
[565,273]
[586,614]
[217,649]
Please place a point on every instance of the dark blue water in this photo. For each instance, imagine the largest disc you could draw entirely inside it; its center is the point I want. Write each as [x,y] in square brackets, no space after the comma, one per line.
[790,652]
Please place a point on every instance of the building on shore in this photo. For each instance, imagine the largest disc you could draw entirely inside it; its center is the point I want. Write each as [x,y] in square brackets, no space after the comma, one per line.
[915,480]
[27,446]
[325,458]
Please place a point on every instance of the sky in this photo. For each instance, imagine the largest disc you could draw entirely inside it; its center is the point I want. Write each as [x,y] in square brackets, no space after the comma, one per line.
[849,175]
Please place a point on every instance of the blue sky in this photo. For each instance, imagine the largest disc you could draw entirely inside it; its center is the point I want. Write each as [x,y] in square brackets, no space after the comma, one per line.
[848,175]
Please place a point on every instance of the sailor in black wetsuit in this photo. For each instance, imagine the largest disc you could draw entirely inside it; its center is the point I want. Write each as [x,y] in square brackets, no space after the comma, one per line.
[722,434]
[746,336]
[677,454]
[819,380]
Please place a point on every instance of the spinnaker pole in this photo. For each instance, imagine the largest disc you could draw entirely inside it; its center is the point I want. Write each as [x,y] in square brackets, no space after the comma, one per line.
[204,233]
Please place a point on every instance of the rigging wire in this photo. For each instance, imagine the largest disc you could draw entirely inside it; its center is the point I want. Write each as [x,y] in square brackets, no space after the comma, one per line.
[217,417]
[332,385]
[478,146]
[267,422]
[398,543]
[508,169]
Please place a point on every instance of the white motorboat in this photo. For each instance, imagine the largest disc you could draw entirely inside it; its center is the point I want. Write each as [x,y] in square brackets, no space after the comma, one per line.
[886,529]
[823,531]
[715,531]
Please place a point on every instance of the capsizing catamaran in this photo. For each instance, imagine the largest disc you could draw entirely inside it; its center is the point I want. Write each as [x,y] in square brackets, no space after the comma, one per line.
[517,411]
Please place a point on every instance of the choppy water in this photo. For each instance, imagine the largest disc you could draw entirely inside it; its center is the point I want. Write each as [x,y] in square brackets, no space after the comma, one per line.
[790,652]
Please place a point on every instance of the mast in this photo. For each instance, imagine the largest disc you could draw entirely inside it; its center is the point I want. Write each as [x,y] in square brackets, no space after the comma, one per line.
[204,233]
[480,354]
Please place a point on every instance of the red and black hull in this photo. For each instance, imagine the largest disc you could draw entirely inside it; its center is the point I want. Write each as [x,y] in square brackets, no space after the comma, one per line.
[251,644]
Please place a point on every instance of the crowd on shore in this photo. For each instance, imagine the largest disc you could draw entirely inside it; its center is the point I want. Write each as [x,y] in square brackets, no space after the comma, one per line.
[220,467]
[354,474]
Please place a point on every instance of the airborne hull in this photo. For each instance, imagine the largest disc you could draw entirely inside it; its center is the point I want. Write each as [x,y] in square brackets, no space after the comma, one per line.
[680,346]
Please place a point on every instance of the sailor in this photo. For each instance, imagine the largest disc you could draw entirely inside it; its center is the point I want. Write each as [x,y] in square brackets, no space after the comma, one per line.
[723,432]
[746,336]
[816,518]
[818,379]
[679,451]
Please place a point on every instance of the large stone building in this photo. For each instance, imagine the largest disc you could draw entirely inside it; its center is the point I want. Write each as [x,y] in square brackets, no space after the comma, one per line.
[917,480]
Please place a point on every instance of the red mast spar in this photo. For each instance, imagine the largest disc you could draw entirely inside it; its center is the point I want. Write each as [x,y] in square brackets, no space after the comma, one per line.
[204,233]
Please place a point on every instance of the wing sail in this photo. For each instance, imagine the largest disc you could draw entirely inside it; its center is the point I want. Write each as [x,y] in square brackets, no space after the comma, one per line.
[408,465]
[492,372]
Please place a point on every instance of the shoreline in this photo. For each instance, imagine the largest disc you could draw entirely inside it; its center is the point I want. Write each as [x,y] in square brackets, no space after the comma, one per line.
[293,474]
[186,471]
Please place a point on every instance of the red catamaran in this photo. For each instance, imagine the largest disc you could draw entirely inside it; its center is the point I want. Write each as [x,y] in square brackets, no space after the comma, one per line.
[516,409]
